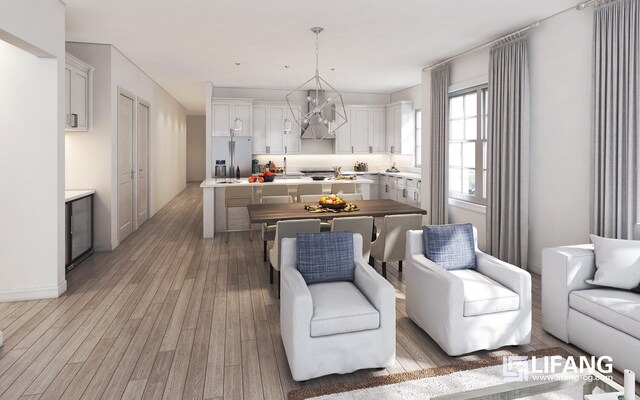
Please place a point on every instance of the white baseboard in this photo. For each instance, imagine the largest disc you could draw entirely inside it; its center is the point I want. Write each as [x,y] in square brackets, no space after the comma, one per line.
[38,293]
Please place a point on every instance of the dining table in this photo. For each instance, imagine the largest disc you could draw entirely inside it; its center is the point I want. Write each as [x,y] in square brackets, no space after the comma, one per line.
[272,213]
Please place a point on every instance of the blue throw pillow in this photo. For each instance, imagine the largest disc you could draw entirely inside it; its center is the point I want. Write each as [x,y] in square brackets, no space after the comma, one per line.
[325,256]
[450,246]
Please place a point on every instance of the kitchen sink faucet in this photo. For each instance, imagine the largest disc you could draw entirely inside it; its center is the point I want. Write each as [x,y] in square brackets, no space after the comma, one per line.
[285,168]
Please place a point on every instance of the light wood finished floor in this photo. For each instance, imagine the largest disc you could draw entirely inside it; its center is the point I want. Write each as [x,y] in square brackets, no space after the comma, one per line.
[169,315]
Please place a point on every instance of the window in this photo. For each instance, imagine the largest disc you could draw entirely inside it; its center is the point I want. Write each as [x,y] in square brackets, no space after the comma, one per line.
[468,144]
[418,150]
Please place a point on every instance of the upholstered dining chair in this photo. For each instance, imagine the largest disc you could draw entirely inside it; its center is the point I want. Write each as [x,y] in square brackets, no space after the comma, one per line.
[268,231]
[351,196]
[361,225]
[236,197]
[288,229]
[269,189]
[312,188]
[479,302]
[390,244]
[343,187]
[334,324]
[309,198]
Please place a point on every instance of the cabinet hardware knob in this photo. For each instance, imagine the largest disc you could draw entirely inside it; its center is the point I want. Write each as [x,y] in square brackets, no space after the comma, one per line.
[74,119]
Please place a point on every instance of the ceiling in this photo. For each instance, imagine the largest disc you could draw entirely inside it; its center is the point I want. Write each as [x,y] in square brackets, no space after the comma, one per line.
[375,46]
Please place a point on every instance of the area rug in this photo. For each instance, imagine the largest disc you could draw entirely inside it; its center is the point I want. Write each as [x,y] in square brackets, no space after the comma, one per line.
[428,383]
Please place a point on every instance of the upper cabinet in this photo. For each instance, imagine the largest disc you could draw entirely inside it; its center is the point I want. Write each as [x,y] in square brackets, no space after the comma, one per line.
[269,136]
[78,94]
[364,131]
[224,113]
[400,128]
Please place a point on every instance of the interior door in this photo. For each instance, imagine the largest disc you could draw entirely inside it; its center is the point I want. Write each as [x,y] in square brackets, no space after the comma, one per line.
[125,166]
[142,189]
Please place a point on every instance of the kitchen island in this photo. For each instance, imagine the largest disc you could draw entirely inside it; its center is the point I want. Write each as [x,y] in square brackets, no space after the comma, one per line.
[213,207]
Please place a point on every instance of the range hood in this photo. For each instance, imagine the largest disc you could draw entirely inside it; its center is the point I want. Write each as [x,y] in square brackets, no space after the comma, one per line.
[329,113]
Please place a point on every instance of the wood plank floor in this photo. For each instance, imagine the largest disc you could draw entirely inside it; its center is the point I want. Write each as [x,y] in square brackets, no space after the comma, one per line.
[170,315]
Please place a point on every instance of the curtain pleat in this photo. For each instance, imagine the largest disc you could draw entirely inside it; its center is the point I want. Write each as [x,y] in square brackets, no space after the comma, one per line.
[440,145]
[508,153]
[616,148]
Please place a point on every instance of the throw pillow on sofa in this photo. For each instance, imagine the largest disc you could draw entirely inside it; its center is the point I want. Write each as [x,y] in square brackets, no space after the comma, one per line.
[325,256]
[617,263]
[450,246]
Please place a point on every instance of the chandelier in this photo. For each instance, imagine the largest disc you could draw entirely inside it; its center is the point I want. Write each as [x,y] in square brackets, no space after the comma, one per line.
[326,107]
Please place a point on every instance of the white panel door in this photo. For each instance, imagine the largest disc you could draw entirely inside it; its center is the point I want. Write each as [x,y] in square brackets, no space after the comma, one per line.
[125,166]
[360,131]
[259,130]
[276,133]
[221,119]
[376,140]
[142,189]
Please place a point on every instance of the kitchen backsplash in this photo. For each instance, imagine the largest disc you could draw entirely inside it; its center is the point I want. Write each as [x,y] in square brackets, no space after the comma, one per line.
[377,162]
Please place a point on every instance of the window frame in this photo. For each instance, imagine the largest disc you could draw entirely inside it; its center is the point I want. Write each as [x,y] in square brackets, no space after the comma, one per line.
[417,149]
[480,142]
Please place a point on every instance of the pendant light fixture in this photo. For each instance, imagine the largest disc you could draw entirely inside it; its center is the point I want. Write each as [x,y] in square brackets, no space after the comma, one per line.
[237,123]
[326,106]
[286,124]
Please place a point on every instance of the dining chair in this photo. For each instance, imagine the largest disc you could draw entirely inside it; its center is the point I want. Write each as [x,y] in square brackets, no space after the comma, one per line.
[236,197]
[312,188]
[313,198]
[390,244]
[352,196]
[343,187]
[269,189]
[288,229]
[268,231]
[361,225]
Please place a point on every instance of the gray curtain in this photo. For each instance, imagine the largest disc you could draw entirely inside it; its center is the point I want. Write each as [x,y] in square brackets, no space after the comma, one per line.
[440,145]
[508,148]
[616,146]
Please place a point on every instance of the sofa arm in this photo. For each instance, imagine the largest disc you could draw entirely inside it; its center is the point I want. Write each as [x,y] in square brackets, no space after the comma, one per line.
[513,278]
[376,289]
[564,269]
[296,305]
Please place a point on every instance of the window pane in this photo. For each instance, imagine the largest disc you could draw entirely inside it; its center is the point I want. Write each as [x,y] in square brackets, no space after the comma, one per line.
[471,129]
[484,184]
[471,105]
[456,109]
[455,180]
[469,154]
[469,182]
[456,130]
[455,158]
[484,155]
[418,156]
[418,119]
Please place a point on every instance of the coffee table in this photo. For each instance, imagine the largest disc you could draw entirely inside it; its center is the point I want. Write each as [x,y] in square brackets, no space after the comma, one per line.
[587,384]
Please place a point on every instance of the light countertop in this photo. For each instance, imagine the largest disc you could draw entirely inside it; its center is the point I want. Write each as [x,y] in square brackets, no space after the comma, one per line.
[410,175]
[224,182]
[70,195]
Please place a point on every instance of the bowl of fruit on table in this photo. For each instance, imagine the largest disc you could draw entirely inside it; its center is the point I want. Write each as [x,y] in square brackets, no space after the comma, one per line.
[332,201]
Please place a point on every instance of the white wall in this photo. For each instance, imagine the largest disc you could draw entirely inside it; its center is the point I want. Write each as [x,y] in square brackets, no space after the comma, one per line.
[31,149]
[196,148]
[92,156]
[560,61]
[413,93]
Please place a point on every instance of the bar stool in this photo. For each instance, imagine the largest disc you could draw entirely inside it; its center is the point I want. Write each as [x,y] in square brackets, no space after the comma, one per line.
[312,188]
[343,187]
[236,197]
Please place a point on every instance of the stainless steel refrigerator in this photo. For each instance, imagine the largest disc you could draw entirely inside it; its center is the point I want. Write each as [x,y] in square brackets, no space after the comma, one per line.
[236,151]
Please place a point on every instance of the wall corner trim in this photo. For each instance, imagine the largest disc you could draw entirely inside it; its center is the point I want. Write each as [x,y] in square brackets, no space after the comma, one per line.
[37,293]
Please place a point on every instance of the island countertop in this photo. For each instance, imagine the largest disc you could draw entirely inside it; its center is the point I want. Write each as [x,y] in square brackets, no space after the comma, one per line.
[225,182]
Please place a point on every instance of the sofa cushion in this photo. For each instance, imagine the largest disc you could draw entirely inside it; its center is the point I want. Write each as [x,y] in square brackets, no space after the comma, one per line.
[340,307]
[617,263]
[483,295]
[620,309]
[450,246]
[325,256]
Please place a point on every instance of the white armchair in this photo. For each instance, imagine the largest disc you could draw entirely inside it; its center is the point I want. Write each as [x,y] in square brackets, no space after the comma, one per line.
[336,327]
[468,310]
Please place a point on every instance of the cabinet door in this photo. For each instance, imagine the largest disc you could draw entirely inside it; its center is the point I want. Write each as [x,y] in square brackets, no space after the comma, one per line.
[79,100]
[81,235]
[242,111]
[292,139]
[259,130]
[343,136]
[397,131]
[67,95]
[275,131]
[360,131]
[377,131]
[221,119]
[389,133]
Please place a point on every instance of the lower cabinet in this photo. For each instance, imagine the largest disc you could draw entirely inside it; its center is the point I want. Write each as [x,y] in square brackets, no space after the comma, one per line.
[78,230]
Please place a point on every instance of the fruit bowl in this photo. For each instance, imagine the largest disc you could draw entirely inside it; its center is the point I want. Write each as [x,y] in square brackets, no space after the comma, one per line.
[269,178]
[338,206]
[332,201]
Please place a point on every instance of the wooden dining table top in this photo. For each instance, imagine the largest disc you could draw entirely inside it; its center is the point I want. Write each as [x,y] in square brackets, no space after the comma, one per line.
[271,213]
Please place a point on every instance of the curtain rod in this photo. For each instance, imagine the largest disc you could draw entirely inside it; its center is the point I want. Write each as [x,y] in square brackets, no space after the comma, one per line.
[580,6]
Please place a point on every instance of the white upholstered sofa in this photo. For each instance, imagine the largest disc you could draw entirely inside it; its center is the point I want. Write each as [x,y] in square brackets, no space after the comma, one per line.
[336,327]
[599,320]
[468,310]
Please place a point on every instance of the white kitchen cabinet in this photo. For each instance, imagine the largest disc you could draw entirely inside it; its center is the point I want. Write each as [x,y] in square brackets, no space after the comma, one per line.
[224,113]
[374,188]
[269,136]
[78,94]
[404,190]
[400,128]
[364,131]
